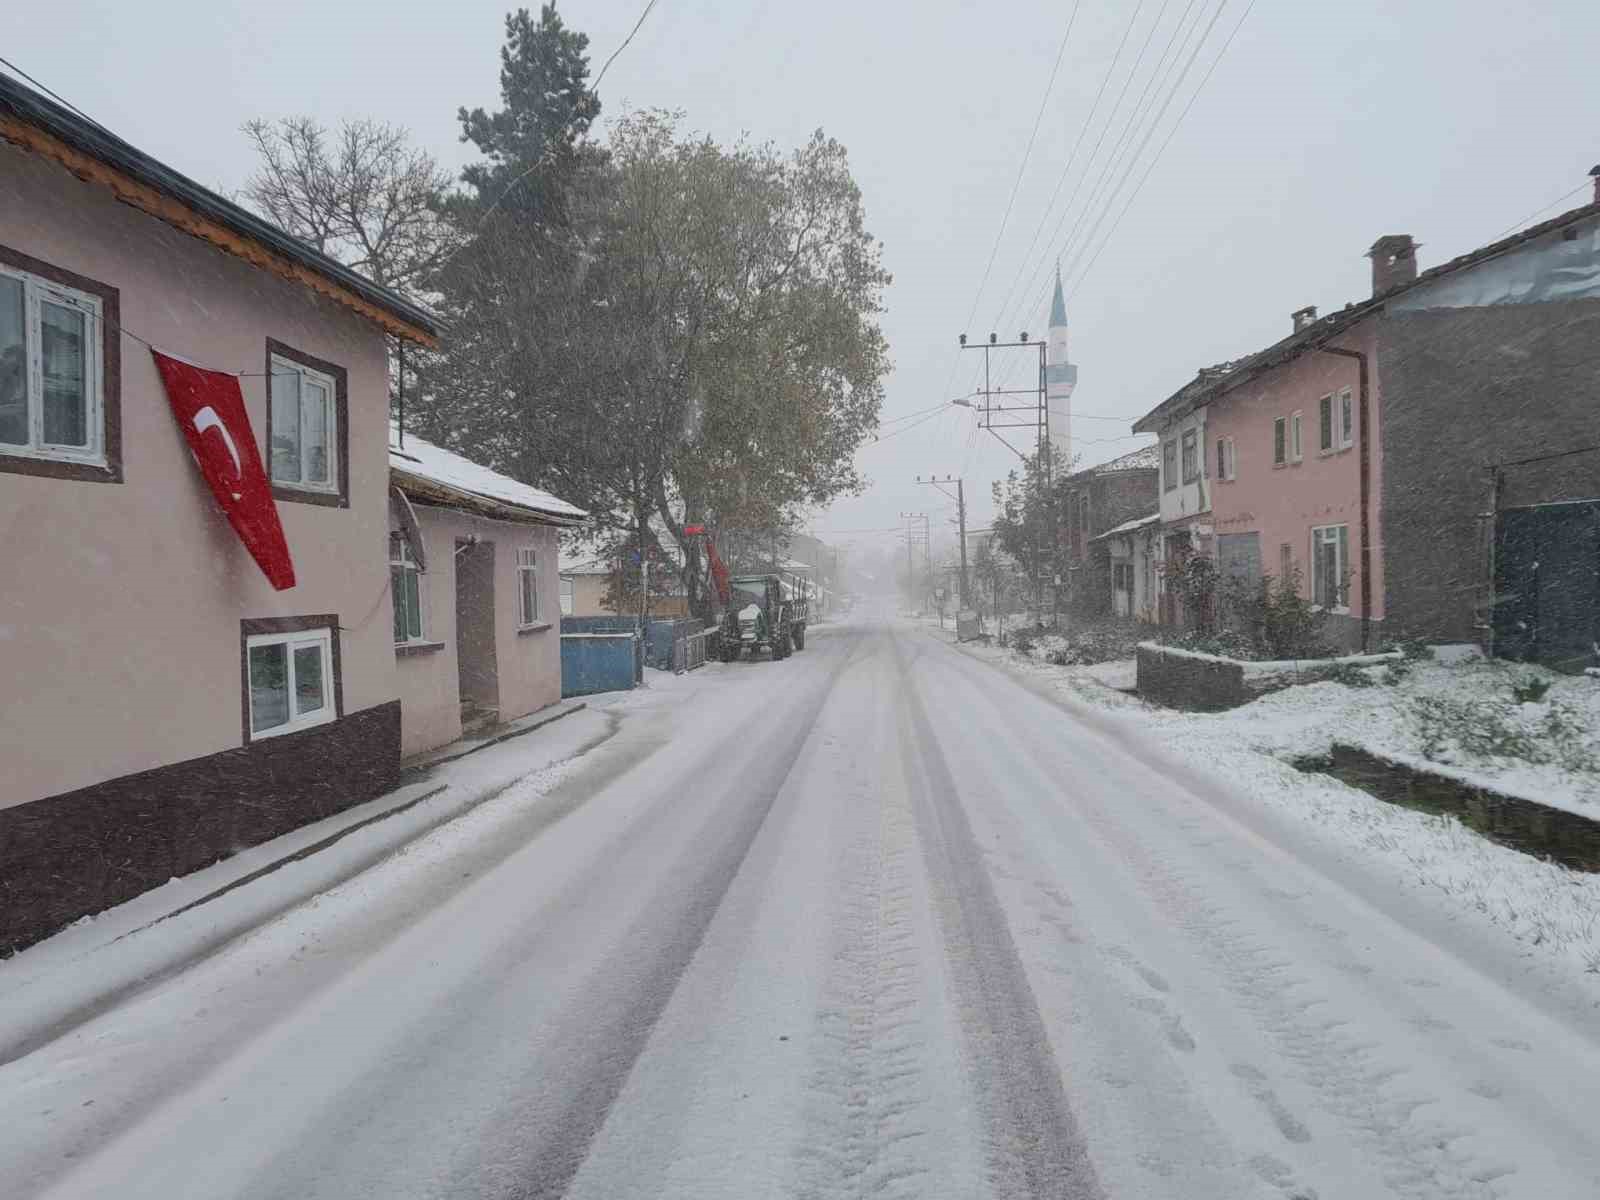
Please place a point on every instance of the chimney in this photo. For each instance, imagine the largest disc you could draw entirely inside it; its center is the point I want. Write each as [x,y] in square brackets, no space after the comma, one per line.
[1394,261]
[1303,317]
[1594,173]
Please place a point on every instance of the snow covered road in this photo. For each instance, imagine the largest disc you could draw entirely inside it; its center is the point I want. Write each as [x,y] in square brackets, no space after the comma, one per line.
[875,920]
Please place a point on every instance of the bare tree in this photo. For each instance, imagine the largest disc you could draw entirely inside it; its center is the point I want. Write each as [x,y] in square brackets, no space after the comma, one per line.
[363,195]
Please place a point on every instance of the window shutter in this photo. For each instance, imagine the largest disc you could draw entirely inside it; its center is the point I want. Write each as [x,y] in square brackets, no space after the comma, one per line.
[1326,414]
[1277,440]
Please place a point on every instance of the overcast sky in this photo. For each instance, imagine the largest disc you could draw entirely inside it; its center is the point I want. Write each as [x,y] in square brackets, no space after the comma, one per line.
[1321,128]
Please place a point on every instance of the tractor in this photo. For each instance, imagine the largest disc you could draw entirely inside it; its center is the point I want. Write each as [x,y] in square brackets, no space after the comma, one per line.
[766,612]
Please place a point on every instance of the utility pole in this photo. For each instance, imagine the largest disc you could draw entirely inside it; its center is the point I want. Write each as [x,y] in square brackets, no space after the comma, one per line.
[927,553]
[961,512]
[997,412]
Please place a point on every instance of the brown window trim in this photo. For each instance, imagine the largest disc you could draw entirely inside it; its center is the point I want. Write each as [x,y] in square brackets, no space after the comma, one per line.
[249,627]
[110,377]
[341,404]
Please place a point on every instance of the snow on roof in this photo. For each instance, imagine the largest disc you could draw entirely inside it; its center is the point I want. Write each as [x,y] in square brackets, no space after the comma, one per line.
[1130,526]
[445,477]
[1143,457]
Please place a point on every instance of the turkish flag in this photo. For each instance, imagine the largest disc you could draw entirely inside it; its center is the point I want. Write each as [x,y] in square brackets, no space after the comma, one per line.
[210,411]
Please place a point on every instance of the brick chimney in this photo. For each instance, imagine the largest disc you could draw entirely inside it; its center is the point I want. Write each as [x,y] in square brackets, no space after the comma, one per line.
[1594,173]
[1303,317]
[1394,261]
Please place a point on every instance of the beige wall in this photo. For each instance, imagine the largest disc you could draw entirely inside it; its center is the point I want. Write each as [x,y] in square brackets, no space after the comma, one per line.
[528,663]
[120,603]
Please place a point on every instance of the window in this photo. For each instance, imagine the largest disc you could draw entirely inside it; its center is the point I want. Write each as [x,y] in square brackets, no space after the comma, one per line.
[306,434]
[1329,565]
[527,587]
[566,596]
[291,674]
[1122,577]
[1169,466]
[1227,458]
[1325,421]
[1295,451]
[57,415]
[1191,457]
[1347,420]
[1285,561]
[405,582]
[1278,441]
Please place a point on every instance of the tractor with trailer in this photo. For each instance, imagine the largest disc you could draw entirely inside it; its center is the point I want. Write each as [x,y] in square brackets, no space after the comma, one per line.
[756,611]
[767,612]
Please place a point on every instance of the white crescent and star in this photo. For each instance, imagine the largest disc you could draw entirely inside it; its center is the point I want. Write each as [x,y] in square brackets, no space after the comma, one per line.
[206,419]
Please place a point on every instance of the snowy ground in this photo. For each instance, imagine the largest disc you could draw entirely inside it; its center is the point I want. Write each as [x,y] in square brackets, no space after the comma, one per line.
[1552,911]
[876,920]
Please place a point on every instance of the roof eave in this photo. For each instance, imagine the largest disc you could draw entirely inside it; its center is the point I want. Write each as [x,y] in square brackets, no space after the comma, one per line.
[431,491]
[98,157]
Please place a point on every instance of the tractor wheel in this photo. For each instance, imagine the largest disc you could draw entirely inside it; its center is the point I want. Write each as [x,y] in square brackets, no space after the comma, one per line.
[799,637]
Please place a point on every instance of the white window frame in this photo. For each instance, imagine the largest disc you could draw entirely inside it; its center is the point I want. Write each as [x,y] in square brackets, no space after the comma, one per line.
[527,564]
[1344,420]
[1296,437]
[569,595]
[321,637]
[36,288]
[1169,473]
[1227,458]
[1330,533]
[1189,454]
[330,386]
[406,560]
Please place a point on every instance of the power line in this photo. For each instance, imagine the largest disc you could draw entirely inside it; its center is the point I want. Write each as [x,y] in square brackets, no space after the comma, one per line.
[53,95]
[1044,217]
[595,85]
[1542,208]
[1150,130]
[1132,196]
[1044,101]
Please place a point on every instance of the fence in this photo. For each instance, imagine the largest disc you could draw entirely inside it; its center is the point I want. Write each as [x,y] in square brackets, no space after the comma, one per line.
[690,652]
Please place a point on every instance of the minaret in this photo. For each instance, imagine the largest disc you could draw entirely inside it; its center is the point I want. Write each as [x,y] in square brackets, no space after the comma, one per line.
[1060,376]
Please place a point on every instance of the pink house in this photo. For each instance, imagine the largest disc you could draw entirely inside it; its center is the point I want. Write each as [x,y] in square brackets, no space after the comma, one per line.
[1288,499]
[1320,458]
[166,696]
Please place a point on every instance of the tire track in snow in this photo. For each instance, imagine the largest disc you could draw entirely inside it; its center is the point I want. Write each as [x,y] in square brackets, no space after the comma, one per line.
[864,1117]
[1035,1146]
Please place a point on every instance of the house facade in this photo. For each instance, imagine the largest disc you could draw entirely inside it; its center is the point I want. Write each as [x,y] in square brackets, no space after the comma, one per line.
[165,702]
[473,569]
[1132,556]
[1093,501]
[1424,461]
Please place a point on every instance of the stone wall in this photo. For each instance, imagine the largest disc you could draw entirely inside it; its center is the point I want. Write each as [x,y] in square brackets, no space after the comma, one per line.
[1181,679]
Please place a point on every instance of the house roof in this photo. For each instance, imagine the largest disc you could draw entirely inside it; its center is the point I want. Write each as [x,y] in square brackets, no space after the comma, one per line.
[96,155]
[1145,457]
[1132,526]
[435,475]
[1224,377]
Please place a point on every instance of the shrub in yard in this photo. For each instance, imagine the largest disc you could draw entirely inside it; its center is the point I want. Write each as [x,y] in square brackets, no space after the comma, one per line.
[1451,728]
[1350,675]
[1022,641]
[1531,690]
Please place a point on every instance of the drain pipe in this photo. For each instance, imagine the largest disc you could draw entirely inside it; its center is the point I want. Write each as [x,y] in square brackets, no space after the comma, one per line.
[1365,442]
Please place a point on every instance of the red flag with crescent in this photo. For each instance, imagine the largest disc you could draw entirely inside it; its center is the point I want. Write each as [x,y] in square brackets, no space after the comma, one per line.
[210,411]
